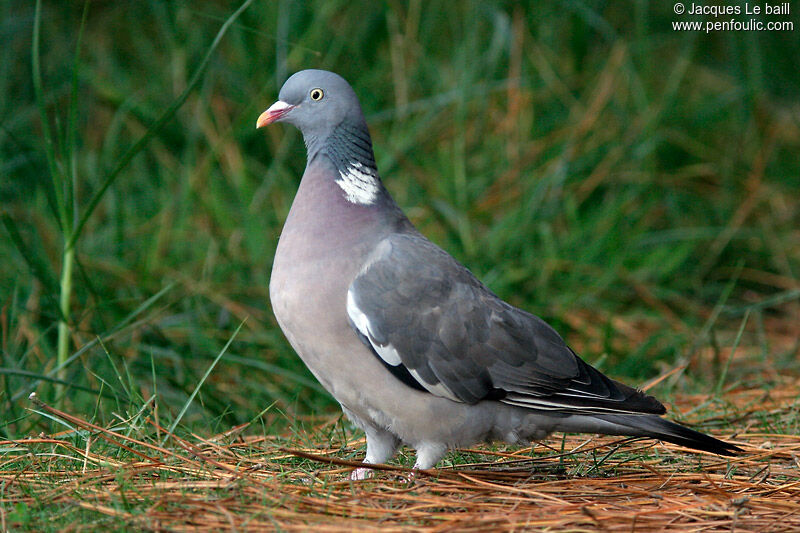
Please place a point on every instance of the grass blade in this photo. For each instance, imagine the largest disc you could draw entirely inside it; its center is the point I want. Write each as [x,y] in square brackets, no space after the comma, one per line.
[724,373]
[202,380]
[155,128]
[40,269]
[49,145]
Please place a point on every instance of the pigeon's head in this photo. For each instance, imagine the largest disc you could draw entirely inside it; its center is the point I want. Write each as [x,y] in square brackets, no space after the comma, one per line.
[315,101]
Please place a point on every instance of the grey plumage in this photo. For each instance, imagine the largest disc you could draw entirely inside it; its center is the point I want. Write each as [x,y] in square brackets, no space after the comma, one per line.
[414,347]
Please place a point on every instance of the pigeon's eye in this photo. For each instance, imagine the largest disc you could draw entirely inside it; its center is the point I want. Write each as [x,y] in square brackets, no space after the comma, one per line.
[316,94]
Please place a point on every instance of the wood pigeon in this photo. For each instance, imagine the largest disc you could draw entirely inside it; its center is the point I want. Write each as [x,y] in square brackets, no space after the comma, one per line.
[412,345]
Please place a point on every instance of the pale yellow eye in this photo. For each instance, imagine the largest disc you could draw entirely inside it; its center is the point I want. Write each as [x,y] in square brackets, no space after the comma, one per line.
[316,94]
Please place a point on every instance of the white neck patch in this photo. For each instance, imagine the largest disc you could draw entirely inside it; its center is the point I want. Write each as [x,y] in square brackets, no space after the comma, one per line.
[359,183]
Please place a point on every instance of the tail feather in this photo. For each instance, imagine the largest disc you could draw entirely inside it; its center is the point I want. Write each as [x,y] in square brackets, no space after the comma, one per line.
[659,428]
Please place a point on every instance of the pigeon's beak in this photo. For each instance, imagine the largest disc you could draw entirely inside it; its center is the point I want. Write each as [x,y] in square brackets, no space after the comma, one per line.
[275,112]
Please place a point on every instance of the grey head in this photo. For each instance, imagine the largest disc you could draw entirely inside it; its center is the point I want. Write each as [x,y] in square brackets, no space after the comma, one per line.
[317,102]
[324,107]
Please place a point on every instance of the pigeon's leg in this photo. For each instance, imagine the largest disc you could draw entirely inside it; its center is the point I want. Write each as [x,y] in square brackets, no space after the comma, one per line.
[381,446]
[428,454]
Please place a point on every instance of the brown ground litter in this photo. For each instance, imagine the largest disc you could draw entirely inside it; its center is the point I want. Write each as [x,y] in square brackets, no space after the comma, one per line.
[242,482]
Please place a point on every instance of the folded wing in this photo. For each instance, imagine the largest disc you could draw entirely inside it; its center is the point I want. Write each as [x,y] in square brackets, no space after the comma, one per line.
[439,329]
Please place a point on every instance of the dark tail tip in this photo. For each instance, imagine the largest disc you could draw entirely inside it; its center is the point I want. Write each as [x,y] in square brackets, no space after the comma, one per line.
[659,428]
[677,434]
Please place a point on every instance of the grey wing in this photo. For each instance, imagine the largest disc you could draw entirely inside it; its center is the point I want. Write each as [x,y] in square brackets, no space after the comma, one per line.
[439,329]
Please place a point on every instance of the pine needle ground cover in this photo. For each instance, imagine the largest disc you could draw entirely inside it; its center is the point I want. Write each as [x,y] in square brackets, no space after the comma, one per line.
[97,477]
[634,185]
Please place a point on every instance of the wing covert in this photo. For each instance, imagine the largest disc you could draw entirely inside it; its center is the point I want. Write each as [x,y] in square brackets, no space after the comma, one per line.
[425,315]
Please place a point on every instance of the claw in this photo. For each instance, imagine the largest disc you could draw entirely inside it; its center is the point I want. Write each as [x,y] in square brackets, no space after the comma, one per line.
[360,474]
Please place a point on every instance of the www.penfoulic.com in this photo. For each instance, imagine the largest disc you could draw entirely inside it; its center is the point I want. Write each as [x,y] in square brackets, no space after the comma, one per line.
[748,17]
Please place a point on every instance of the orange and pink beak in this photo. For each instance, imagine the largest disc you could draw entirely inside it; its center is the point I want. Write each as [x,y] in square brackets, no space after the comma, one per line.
[275,112]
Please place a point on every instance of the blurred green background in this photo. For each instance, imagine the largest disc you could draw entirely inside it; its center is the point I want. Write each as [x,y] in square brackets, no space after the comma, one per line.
[635,186]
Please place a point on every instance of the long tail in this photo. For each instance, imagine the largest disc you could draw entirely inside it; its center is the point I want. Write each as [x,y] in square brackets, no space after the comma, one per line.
[659,428]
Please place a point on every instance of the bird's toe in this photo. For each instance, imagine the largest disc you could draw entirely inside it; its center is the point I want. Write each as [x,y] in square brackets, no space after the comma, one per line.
[362,473]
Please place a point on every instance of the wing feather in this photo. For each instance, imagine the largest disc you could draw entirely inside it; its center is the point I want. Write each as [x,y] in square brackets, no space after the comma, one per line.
[428,318]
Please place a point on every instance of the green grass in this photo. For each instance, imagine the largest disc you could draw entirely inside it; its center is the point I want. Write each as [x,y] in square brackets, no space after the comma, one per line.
[636,187]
